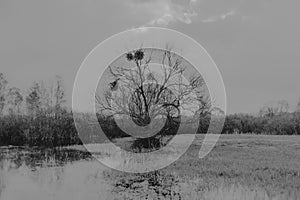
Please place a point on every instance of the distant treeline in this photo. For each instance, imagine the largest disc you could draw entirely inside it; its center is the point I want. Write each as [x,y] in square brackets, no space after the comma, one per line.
[281,124]
[58,129]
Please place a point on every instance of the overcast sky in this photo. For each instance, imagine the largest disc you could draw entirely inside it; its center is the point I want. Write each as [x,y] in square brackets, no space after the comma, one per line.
[255,43]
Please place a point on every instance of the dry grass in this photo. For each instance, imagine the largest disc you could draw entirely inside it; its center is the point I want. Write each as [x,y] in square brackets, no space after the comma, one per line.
[239,167]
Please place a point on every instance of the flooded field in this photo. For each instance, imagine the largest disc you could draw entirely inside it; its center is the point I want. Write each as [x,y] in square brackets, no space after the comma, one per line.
[239,167]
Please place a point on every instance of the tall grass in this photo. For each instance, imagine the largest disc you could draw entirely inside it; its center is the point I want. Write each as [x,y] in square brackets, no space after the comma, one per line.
[44,129]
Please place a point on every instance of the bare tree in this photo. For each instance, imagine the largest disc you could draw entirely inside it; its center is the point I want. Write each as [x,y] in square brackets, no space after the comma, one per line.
[59,93]
[14,100]
[298,106]
[3,84]
[283,106]
[138,91]
[34,99]
[275,108]
[48,97]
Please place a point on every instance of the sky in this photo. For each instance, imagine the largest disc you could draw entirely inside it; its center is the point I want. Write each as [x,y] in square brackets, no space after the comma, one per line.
[255,43]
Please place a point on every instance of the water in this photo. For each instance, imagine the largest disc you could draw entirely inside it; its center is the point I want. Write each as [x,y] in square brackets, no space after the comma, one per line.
[29,174]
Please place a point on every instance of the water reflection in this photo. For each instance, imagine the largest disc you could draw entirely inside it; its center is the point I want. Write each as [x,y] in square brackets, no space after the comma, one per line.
[34,157]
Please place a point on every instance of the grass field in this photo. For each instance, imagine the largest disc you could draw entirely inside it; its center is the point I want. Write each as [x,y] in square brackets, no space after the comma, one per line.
[239,167]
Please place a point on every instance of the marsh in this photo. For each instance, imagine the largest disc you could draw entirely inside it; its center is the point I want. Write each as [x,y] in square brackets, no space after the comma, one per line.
[239,167]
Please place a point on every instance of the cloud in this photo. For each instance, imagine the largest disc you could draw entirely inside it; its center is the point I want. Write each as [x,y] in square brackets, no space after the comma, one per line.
[163,12]
[210,20]
[221,17]
[228,14]
[163,20]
